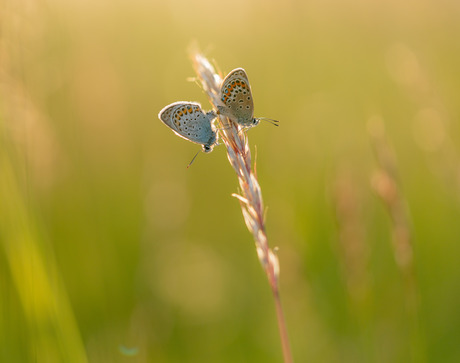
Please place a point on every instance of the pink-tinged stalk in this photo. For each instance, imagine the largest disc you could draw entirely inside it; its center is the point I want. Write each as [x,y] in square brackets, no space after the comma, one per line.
[250,196]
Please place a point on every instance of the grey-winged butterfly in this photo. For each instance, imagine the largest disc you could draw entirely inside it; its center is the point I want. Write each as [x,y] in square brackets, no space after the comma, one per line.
[236,95]
[189,121]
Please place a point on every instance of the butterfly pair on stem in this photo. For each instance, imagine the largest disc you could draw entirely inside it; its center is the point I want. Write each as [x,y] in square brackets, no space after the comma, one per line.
[190,122]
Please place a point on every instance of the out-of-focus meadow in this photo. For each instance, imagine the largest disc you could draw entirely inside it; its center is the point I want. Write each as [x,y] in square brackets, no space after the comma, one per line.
[113,251]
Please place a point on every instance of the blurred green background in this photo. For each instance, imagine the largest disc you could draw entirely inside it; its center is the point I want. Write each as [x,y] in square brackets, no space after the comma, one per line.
[112,251]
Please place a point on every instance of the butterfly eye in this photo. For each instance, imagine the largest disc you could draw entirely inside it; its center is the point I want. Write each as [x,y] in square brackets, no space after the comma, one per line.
[207,148]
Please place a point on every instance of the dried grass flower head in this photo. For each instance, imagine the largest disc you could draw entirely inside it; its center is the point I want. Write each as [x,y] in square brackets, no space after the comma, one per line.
[232,98]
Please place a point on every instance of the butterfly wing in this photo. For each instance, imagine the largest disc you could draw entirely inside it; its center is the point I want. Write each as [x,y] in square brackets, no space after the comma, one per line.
[188,121]
[237,97]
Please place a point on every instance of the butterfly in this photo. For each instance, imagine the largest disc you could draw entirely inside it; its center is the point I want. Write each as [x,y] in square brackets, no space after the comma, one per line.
[190,122]
[236,97]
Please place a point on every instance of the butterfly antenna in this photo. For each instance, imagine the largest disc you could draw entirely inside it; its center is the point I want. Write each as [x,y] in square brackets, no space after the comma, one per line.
[269,120]
[188,166]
